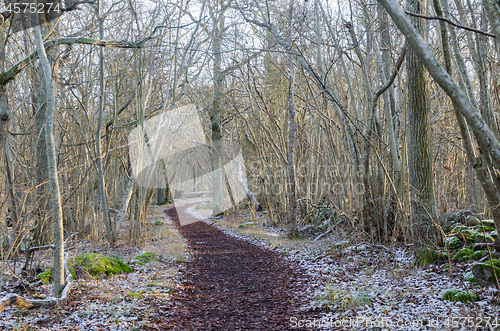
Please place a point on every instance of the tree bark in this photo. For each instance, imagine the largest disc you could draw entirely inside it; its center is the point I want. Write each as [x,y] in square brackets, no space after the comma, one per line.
[486,137]
[110,228]
[291,130]
[50,98]
[419,151]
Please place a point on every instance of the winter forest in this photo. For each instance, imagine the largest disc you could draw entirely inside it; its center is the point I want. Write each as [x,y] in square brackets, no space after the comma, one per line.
[249,164]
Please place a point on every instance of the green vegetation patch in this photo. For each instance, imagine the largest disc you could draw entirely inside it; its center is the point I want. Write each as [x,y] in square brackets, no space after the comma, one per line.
[46,276]
[245,225]
[463,254]
[468,276]
[471,234]
[487,272]
[489,223]
[452,242]
[483,228]
[478,255]
[143,258]
[97,264]
[459,295]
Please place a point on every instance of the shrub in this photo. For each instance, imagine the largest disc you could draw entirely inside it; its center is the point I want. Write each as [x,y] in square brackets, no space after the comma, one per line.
[459,295]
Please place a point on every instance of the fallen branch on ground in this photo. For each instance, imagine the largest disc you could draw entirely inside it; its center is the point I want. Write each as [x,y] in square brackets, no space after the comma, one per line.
[19,301]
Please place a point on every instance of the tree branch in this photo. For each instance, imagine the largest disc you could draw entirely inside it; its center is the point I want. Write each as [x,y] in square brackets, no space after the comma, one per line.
[7,76]
[451,23]
[19,301]
[389,82]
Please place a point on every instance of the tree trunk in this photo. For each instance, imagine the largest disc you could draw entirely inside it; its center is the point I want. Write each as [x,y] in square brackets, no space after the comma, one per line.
[217,182]
[291,130]
[419,151]
[110,228]
[4,122]
[50,99]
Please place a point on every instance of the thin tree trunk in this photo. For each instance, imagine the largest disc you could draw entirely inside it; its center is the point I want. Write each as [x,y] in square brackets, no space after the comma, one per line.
[419,151]
[291,129]
[50,99]
[217,193]
[486,137]
[110,228]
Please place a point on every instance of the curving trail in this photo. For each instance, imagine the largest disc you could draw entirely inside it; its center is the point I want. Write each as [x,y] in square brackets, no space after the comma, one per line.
[233,285]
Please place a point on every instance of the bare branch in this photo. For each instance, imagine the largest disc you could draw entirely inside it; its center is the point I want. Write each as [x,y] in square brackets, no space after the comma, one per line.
[451,23]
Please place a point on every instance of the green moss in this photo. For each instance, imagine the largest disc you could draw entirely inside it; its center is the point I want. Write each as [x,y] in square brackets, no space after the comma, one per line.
[97,264]
[46,276]
[452,242]
[478,255]
[483,228]
[244,225]
[459,295]
[463,254]
[494,262]
[457,228]
[489,223]
[472,234]
[158,223]
[486,272]
[143,258]
[473,221]
[469,234]
[468,276]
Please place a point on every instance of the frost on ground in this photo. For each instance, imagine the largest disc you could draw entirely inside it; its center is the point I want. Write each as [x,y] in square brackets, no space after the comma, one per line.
[373,287]
[122,302]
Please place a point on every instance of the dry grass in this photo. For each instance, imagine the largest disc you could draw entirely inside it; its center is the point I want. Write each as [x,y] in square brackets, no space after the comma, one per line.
[123,298]
[232,221]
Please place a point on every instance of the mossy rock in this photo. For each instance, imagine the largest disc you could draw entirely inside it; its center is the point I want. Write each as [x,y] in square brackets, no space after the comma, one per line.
[484,238]
[478,255]
[468,276]
[485,272]
[46,276]
[471,235]
[452,242]
[472,220]
[143,258]
[483,228]
[463,254]
[457,228]
[489,223]
[96,264]
[459,295]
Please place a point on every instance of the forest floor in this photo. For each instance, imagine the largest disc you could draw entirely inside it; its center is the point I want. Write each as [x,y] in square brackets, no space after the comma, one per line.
[238,273]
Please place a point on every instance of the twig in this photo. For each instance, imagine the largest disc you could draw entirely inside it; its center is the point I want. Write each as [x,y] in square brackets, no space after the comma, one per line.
[19,301]
[451,23]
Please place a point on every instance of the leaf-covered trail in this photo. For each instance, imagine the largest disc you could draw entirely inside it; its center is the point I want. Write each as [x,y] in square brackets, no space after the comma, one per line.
[234,285]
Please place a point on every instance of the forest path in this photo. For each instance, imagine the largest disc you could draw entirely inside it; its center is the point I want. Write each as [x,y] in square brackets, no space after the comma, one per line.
[233,285]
